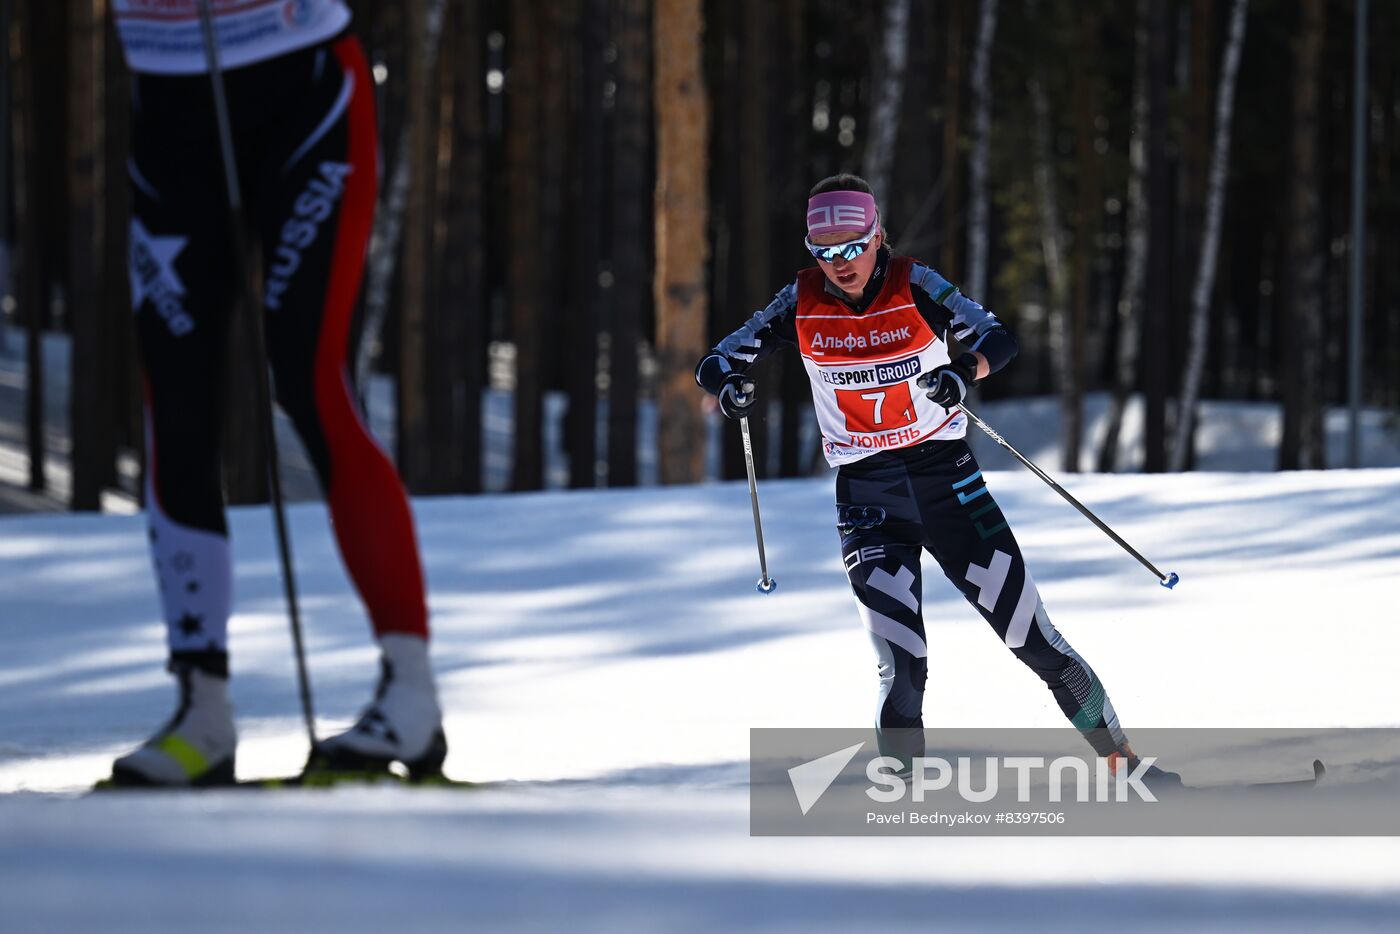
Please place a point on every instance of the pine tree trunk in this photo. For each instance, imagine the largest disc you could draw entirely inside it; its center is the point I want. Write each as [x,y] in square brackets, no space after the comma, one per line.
[632,206]
[588,230]
[1304,388]
[753,247]
[1086,251]
[523,150]
[118,336]
[1381,384]
[557,39]
[414,427]
[1195,40]
[6,179]
[442,325]
[1196,142]
[442,367]
[727,279]
[790,149]
[31,292]
[1210,239]
[681,258]
[460,230]
[979,207]
[1156,331]
[89,361]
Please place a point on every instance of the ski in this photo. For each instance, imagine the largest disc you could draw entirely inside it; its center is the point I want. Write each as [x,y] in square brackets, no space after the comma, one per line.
[343,779]
[1319,770]
[1286,784]
[314,780]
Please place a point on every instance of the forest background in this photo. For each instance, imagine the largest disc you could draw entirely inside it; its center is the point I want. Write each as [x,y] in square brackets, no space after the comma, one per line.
[579,197]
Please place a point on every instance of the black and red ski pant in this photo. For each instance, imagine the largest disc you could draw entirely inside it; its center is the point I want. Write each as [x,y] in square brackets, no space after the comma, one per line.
[307,155]
[893,506]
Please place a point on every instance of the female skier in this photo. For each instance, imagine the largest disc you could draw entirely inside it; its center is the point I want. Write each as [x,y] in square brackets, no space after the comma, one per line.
[301,105]
[873,330]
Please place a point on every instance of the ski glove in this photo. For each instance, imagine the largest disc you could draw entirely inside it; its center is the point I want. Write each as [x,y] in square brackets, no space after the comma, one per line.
[947,385]
[736,396]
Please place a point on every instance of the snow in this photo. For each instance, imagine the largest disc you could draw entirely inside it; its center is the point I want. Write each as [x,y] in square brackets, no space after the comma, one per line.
[1231,436]
[299,482]
[602,657]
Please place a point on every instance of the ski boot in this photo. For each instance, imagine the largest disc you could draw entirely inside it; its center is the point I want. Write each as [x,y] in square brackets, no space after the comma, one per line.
[403,724]
[1156,779]
[196,748]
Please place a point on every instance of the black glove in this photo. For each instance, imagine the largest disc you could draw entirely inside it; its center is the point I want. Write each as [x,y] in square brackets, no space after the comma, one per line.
[736,396]
[948,384]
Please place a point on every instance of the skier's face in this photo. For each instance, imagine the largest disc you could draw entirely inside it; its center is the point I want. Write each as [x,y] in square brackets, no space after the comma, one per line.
[849,275]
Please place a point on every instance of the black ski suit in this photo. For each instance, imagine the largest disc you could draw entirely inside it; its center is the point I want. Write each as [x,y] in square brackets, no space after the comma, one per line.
[902,499]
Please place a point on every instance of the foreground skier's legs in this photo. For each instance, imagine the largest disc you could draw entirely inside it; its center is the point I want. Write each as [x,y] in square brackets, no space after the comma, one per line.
[314,214]
[181,283]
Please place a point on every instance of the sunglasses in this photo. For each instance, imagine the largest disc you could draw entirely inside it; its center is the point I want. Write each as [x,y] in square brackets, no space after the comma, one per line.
[848,250]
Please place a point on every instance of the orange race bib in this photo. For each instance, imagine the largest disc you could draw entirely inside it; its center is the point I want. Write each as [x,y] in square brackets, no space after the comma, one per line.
[863,368]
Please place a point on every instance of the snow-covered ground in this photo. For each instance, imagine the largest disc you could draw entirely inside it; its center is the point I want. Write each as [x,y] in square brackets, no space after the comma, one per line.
[603,656]
[1232,435]
[299,481]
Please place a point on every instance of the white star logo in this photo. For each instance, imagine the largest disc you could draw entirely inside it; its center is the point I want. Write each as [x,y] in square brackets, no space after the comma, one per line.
[153,264]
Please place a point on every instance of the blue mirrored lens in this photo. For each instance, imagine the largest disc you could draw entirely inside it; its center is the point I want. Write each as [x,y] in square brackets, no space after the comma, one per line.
[847,251]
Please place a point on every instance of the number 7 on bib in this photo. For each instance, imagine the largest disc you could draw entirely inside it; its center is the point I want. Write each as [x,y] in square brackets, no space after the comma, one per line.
[873,410]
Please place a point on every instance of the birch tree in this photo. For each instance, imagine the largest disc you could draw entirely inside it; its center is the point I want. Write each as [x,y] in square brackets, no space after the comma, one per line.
[1210,241]
[383,254]
[889,93]
[1052,241]
[952,142]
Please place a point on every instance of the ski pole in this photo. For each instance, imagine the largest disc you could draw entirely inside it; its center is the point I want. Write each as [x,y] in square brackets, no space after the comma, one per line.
[1167,580]
[766,584]
[253,320]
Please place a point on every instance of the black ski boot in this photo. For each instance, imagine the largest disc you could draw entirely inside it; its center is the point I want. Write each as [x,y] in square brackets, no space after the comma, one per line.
[402,725]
